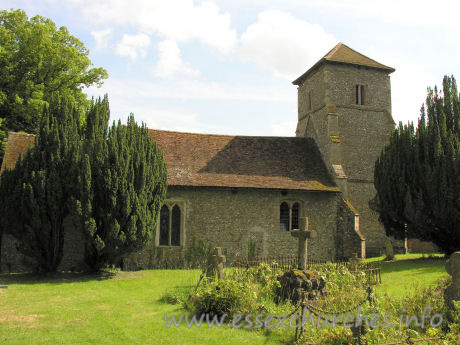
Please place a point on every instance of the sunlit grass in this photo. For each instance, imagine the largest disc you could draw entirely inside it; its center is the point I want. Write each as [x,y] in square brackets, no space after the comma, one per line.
[402,275]
[126,307]
[121,308]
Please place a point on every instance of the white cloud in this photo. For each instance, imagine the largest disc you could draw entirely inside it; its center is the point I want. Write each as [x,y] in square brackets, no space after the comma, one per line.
[438,14]
[177,20]
[133,45]
[407,101]
[283,44]
[170,62]
[101,37]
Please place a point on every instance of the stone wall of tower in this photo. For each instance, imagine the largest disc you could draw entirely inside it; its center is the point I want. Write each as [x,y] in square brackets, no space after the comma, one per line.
[350,136]
[364,132]
[364,129]
[312,123]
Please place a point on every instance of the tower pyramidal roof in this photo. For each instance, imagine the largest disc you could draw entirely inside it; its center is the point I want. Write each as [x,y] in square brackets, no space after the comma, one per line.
[342,54]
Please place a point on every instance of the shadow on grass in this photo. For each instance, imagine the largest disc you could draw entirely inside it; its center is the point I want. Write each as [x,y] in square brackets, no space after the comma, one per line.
[423,265]
[54,278]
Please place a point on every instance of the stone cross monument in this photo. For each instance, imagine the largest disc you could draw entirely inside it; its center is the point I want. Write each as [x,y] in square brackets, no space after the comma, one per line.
[216,264]
[303,234]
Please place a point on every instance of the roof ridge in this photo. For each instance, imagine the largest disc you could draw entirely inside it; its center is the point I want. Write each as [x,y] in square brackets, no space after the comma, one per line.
[334,49]
[225,135]
[356,59]
[329,56]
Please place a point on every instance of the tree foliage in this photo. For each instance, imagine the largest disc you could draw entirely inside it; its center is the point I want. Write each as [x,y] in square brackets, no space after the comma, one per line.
[125,186]
[36,60]
[417,176]
[38,195]
[108,183]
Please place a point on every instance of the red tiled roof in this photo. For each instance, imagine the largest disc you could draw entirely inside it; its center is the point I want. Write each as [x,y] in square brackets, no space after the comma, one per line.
[343,54]
[243,161]
[225,161]
[17,145]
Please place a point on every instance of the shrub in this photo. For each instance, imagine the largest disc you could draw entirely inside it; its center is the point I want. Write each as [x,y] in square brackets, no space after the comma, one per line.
[251,291]
[176,296]
[196,254]
[413,305]
[220,297]
[336,336]
[389,252]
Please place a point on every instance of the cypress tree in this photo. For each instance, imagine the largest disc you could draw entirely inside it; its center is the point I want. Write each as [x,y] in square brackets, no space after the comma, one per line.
[111,181]
[39,193]
[417,176]
[128,185]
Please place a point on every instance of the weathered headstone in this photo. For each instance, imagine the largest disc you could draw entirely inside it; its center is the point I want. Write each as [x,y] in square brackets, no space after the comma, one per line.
[216,264]
[453,268]
[354,262]
[303,234]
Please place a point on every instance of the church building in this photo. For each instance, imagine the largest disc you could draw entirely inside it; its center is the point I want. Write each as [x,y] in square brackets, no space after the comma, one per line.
[240,191]
[232,190]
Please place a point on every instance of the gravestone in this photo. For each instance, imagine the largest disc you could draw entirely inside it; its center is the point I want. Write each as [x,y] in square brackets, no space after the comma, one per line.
[303,234]
[216,264]
[453,268]
[354,262]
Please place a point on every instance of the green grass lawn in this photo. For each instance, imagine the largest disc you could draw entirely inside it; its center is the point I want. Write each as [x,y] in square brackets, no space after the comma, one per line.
[403,275]
[121,309]
[126,307]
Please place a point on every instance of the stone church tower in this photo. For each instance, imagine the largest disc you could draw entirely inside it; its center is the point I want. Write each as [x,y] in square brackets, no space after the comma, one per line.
[344,104]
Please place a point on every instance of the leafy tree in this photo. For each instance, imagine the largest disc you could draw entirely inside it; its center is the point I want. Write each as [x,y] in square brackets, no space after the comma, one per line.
[36,60]
[417,176]
[124,186]
[38,195]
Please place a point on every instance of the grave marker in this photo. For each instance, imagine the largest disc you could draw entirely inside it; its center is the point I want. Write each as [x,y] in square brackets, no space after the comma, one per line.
[216,264]
[303,234]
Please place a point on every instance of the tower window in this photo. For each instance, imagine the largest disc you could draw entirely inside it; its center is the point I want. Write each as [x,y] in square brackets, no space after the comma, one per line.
[360,94]
[309,101]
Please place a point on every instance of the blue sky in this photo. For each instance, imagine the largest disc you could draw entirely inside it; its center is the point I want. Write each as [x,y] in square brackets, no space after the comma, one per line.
[226,66]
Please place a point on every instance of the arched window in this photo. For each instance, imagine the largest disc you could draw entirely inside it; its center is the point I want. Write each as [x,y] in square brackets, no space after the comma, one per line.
[289,216]
[164,226]
[175,226]
[170,225]
[295,216]
[284,217]
[360,94]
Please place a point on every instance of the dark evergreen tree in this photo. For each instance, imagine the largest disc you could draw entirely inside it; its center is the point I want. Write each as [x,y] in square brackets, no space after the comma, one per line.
[38,195]
[417,176]
[128,175]
[111,182]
